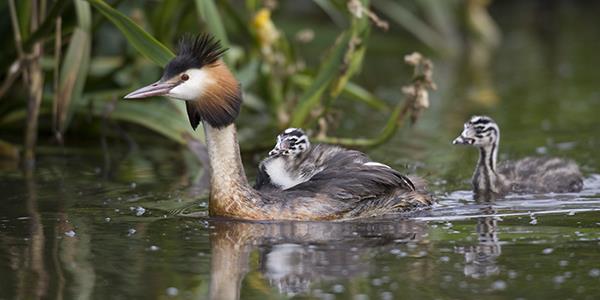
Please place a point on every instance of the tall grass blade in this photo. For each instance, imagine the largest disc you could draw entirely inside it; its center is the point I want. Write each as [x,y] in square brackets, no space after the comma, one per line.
[73,74]
[159,116]
[411,23]
[141,40]
[207,10]
[324,77]
[74,70]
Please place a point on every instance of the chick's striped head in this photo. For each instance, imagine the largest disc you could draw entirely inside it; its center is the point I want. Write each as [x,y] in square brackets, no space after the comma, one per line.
[479,131]
[291,142]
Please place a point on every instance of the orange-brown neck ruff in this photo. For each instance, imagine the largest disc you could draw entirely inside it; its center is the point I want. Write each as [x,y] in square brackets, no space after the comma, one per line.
[220,103]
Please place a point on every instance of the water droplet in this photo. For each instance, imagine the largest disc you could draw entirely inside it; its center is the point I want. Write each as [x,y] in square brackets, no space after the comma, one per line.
[172,291]
[361,297]
[139,211]
[563,263]
[387,295]
[338,288]
[107,219]
[398,252]
[499,285]
[70,233]
[154,248]
[547,250]
[559,279]
[376,282]
[541,150]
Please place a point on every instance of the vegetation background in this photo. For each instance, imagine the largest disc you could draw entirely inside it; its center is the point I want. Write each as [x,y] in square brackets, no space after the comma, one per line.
[67,63]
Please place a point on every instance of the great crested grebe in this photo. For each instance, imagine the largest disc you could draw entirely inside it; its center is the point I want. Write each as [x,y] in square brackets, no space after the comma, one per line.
[528,175]
[293,161]
[212,96]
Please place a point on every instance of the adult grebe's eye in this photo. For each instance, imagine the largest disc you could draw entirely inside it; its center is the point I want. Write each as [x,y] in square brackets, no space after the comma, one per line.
[185,77]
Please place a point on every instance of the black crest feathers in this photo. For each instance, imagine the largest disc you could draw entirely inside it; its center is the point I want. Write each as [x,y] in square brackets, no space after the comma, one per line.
[194,52]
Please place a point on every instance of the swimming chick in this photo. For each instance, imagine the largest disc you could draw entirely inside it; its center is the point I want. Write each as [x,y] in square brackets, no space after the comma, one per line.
[527,175]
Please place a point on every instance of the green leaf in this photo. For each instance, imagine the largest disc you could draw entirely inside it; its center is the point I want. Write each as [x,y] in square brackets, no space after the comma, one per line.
[335,13]
[74,71]
[73,74]
[141,40]
[326,74]
[165,117]
[208,12]
[351,90]
[411,23]
[337,68]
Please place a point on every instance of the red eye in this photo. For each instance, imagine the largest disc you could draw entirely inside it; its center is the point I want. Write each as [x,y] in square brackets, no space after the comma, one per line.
[185,77]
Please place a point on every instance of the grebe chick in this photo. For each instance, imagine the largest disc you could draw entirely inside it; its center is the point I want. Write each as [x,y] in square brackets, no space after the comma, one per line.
[293,161]
[528,175]
[212,95]
[278,169]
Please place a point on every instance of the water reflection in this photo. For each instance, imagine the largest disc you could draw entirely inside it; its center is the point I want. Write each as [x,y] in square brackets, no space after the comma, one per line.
[33,256]
[294,256]
[480,259]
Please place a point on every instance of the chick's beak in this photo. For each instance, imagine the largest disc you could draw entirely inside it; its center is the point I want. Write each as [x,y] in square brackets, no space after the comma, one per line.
[156,89]
[458,141]
[462,140]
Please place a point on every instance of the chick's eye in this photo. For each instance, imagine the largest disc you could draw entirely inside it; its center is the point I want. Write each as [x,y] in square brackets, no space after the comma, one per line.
[185,77]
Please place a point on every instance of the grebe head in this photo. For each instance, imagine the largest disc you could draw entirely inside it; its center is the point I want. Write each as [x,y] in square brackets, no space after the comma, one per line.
[291,142]
[198,76]
[479,131]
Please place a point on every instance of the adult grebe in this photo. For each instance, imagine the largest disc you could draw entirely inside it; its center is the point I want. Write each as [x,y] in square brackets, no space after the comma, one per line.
[212,96]
[528,175]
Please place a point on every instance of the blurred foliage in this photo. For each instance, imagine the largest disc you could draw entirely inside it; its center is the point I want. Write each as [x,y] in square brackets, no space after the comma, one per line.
[72,59]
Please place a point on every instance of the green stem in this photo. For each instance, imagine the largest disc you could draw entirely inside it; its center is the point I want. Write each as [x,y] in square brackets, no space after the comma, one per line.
[394,122]
[47,25]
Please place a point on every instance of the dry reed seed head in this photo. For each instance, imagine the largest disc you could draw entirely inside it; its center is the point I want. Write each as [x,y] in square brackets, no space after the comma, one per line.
[409,90]
[356,8]
[422,100]
[304,36]
[413,59]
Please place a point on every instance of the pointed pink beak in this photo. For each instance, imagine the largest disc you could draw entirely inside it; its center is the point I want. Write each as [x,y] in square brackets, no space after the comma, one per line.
[156,89]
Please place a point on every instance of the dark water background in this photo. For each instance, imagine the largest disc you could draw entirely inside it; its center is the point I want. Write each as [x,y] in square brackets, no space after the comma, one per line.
[104,219]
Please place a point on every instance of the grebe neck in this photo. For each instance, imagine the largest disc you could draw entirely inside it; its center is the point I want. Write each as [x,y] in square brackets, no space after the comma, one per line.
[228,181]
[486,176]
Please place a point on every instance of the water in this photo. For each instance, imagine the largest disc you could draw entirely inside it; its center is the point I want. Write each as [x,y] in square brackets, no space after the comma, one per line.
[124,222]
